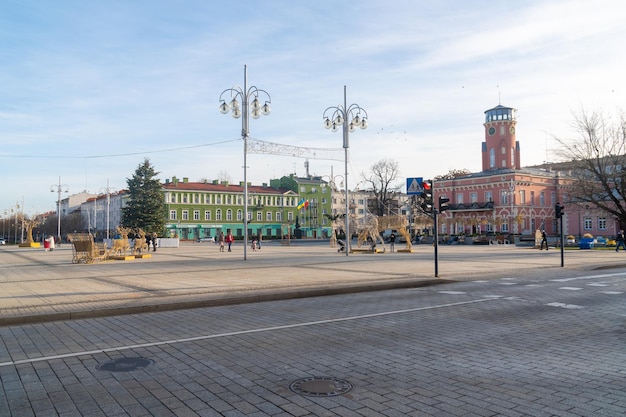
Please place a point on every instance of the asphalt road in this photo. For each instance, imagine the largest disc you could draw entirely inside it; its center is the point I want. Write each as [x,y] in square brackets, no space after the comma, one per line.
[536,341]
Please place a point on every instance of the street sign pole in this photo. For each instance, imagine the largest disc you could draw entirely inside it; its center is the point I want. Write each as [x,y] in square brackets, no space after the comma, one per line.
[435,212]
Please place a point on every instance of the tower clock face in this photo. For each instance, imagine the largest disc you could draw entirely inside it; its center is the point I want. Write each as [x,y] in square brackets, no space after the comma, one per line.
[492,131]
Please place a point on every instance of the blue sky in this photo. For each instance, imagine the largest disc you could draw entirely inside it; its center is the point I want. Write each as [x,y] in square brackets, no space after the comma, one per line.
[88,89]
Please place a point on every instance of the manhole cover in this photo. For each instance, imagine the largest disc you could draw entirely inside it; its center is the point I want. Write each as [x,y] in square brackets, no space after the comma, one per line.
[320,386]
[125,364]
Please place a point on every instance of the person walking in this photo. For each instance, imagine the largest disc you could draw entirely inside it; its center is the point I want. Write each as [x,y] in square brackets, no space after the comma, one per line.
[220,239]
[229,239]
[621,241]
[392,241]
[544,239]
[154,241]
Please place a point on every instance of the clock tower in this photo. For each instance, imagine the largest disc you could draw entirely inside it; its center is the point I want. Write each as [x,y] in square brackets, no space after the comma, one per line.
[500,149]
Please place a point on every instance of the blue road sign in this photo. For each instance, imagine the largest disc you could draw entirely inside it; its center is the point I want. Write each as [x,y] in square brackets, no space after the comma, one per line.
[414,186]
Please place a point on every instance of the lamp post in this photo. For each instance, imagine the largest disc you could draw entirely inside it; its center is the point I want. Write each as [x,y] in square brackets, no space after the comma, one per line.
[349,117]
[107,190]
[250,105]
[59,188]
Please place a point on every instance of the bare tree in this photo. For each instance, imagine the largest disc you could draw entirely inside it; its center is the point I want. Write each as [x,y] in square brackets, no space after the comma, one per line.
[453,173]
[381,178]
[597,158]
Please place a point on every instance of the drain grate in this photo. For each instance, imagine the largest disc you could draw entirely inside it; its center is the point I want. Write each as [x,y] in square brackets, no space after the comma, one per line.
[320,386]
[125,365]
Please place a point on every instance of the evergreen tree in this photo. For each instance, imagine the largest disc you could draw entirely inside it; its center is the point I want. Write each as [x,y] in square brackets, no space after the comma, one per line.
[145,208]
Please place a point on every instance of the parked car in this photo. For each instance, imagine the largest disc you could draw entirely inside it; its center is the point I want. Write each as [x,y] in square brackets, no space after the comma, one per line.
[2,241]
[210,239]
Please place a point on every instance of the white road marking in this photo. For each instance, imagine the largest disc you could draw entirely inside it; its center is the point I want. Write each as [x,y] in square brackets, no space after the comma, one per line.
[570,288]
[563,305]
[612,292]
[242,332]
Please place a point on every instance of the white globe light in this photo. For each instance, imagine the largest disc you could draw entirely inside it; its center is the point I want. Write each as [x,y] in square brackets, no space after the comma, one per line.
[255,113]
[327,123]
[236,113]
[224,107]
[234,104]
[334,128]
[255,105]
[364,123]
[338,120]
[265,110]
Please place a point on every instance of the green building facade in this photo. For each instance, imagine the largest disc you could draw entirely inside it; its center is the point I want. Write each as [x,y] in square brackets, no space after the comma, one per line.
[314,201]
[200,209]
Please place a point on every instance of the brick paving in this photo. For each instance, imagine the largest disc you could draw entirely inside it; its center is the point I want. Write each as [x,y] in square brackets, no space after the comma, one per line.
[442,351]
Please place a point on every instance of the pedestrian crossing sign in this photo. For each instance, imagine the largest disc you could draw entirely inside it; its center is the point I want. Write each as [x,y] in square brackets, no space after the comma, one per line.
[414,186]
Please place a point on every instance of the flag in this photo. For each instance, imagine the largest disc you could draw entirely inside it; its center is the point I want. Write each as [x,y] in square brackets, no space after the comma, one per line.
[301,204]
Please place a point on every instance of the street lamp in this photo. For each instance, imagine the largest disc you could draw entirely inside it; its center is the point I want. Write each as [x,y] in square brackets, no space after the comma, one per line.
[59,188]
[349,117]
[250,105]
[108,192]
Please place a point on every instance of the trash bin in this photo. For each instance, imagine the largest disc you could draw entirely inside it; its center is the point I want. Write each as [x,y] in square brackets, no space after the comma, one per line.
[586,243]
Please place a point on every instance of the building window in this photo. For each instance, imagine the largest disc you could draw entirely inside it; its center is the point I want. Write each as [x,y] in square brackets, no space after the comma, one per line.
[185,214]
[259,216]
[172,214]
[196,214]
[488,196]
[492,158]
[196,198]
[505,227]
[240,215]
[587,223]
[459,198]
[290,216]
[229,215]
[218,214]
[542,198]
[601,223]
[207,215]
[173,198]
[249,216]
[473,197]
[522,196]
[504,197]
[279,216]
[532,198]
[268,216]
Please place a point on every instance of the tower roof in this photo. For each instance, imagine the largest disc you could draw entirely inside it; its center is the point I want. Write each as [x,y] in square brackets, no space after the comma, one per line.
[500,113]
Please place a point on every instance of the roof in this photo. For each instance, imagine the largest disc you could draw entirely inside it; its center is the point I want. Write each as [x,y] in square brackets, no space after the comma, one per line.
[222,188]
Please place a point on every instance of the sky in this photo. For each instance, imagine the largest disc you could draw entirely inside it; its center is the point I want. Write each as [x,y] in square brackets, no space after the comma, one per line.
[89,89]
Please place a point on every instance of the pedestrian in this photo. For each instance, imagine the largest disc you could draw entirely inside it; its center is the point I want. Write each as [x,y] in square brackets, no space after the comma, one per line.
[154,241]
[621,241]
[544,239]
[220,239]
[51,243]
[229,239]
[148,240]
[392,241]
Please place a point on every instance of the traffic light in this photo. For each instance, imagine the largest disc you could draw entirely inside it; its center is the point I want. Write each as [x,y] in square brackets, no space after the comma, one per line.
[558,210]
[443,204]
[427,196]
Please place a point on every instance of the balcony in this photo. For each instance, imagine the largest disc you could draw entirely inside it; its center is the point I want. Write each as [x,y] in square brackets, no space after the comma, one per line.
[476,206]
